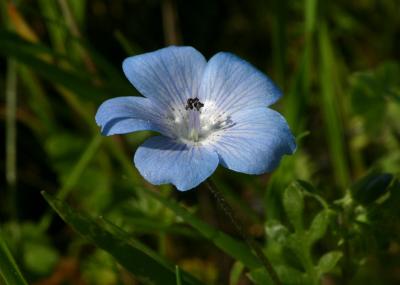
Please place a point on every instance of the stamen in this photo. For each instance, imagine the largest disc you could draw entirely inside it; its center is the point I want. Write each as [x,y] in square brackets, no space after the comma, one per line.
[198,121]
[193,106]
[194,126]
[193,103]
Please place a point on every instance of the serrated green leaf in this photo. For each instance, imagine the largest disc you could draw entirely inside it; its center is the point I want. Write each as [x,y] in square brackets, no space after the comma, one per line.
[318,227]
[328,261]
[293,202]
[135,257]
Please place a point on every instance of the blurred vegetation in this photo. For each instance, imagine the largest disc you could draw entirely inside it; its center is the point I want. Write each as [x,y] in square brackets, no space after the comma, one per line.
[328,215]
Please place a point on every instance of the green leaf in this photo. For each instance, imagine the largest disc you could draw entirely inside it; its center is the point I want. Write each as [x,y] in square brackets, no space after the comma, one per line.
[276,231]
[260,277]
[236,272]
[328,261]
[39,258]
[371,91]
[8,267]
[293,203]
[234,248]
[287,275]
[369,188]
[134,256]
[318,227]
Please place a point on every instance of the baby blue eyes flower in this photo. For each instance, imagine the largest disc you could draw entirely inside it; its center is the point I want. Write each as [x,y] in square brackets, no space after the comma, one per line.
[206,112]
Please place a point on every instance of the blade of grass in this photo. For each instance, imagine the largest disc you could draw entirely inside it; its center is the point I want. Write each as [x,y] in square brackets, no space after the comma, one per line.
[56,31]
[178,275]
[8,267]
[11,134]
[331,110]
[38,100]
[295,107]
[131,254]
[234,248]
[117,231]
[127,46]
[73,177]
[76,49]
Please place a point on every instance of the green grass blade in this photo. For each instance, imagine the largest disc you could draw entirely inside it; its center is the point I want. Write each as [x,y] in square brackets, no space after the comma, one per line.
[74,176]
[178,275]
[11,134]
[55,27]
[129,253]
[8,267]
[234,248]
[27,53]
[330,108]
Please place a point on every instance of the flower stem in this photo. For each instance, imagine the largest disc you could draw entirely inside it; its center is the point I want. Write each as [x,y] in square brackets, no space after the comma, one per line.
[240,229]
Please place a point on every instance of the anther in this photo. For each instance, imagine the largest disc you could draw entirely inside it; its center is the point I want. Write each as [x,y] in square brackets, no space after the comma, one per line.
[193,103]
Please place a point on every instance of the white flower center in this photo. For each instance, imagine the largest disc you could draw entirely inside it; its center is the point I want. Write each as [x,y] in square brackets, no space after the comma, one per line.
[195,122]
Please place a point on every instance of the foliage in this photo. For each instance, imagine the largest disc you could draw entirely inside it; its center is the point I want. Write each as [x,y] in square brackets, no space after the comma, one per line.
[328,215]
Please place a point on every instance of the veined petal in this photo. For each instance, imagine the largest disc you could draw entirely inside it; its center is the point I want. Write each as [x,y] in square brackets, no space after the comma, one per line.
[161,160]
[123,115]
[168,76]
[233,84]
[255,143]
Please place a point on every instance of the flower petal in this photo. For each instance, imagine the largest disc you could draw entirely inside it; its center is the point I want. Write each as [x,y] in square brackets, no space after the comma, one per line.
[161,160]
[168,76]
[233,84]
[256,141]
[123,115]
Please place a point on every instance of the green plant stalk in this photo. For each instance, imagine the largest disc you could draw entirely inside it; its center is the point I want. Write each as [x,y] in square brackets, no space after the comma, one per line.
[239,228]
[178,275]
[233,199]
[11,135]
[309,266]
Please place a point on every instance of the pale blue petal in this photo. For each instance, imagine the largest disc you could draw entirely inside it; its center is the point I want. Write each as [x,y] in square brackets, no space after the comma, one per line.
[161,160]
[233,84]
[256,142]
[123,115]
[168,76]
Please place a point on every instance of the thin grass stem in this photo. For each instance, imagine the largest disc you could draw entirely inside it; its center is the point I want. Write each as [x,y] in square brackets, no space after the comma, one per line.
[240,229]
[11,134]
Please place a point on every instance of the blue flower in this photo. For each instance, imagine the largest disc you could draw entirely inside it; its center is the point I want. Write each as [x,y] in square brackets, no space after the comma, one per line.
[206,112]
